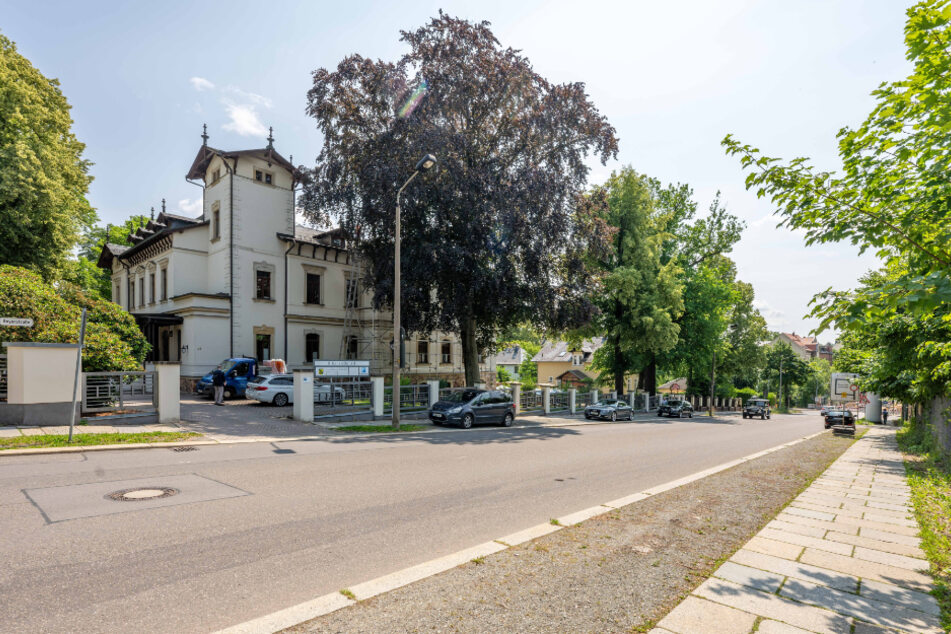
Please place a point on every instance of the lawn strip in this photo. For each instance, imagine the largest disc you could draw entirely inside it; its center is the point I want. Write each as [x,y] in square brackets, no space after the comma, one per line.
[380,429]
[617,572]
[929,475]
[86,440]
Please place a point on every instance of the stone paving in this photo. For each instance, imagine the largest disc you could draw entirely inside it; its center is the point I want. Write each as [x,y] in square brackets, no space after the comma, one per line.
[843,554]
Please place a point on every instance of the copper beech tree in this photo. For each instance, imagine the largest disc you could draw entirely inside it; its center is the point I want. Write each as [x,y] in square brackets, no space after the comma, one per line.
[497,234]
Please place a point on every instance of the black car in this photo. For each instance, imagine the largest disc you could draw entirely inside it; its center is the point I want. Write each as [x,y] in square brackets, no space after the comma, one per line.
[676,408]
[609,410]
[839,417]
[756,407]
[473,406]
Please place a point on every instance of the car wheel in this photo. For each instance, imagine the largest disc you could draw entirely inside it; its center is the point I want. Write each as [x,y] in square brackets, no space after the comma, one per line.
[630,415]
[762,416]
[229,392]
[613,416]
[690,415]
[467,421]
[280,399]
[507,420]
[437,423]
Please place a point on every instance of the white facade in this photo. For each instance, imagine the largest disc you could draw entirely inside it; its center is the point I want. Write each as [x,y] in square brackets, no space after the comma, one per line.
[208,288]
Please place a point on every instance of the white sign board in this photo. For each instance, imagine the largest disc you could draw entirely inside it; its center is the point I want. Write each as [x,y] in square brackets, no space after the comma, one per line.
[347,367]
[841,386]
[20,322]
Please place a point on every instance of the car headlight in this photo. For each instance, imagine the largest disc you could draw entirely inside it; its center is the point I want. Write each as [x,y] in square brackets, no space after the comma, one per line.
[454,410]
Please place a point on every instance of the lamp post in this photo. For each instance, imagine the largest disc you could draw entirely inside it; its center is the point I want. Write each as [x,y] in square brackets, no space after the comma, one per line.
[424,165]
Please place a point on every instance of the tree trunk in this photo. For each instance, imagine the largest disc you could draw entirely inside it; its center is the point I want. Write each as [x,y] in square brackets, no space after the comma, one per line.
[618,367]
[649,377]
[470,352]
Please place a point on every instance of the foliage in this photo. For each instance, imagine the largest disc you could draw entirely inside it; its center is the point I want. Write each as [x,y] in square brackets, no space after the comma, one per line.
[496,234]
[43,177]
[892,196]
[818,382]
[83,272]
[640,297]
[746,393]
[782,363]
[929,476]
[113,340]
[503,375]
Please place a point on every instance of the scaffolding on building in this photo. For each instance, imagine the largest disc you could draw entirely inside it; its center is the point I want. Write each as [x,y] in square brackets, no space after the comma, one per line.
[363,332]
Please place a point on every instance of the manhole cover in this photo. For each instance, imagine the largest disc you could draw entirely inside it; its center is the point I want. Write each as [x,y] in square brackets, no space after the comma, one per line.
[141,494]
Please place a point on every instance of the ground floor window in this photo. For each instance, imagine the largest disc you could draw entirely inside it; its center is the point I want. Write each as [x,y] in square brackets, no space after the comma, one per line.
[422,353]
[311,346]
[262,346]
[352,348]
[446,352]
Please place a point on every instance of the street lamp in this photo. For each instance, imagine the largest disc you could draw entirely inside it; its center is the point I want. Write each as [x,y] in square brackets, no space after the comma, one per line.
[424,165]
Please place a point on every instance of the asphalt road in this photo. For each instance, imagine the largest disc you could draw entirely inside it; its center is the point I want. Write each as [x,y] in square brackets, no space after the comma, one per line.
[305,518]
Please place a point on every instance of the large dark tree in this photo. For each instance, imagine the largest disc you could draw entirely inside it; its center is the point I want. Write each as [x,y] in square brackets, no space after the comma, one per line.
[493,237]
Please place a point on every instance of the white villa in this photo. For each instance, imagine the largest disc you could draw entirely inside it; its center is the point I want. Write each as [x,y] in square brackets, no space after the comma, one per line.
[244,279]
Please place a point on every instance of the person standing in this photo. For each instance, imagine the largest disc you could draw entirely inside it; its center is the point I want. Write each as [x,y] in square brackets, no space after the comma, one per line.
[884,416]
[218,381]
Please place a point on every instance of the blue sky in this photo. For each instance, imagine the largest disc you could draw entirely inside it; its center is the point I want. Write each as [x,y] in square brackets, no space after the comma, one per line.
[673,78]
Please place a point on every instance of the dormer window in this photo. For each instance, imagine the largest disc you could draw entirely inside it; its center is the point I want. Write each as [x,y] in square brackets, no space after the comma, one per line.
[264,177]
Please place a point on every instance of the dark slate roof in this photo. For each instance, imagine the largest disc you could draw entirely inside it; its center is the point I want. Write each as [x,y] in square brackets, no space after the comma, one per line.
[165,224]
[513,355]
[336,237]
[561,351]
[206,153]
[577,374]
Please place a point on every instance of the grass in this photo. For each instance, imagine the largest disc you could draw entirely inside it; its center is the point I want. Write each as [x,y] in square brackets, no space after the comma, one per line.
[86,440]
[381,429]
[554,522]
[929,475]
[346,592]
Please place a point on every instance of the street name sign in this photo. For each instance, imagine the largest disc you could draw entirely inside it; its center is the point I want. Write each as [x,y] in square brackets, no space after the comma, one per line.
[18,322]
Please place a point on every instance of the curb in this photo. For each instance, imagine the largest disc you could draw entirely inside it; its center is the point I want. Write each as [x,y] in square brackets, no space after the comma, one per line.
[323,605]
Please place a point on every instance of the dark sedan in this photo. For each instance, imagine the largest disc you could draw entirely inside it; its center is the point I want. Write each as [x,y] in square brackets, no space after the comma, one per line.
[678,409]
[609,410]
[836,417]
[472,406]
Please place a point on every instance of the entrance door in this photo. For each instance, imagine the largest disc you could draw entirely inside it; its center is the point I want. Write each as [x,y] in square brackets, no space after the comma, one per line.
[165,347]
[263,347]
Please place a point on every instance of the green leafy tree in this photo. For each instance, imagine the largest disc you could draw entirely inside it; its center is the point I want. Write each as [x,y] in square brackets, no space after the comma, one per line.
[43,177]
[83,272]
[783,364]
[493,236]
[818,382]
[113,340]
[640,297]
[744,354]
[503,375]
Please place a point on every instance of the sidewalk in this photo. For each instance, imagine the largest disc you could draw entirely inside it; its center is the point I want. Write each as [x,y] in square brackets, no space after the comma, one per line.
[844,552]
[13,432]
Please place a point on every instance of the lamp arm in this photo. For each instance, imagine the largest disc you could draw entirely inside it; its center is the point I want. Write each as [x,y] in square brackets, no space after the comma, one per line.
[408,181]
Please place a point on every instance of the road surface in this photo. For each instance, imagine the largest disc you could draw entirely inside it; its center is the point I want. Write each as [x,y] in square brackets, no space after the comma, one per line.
[259,527]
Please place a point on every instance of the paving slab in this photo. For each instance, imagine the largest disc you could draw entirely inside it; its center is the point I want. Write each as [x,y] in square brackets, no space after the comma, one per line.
[890,593]
[803,540]
[816,515]
[801,529]
[888,536]
[773,547]
[775,627]
[876,544]
[9,432]
[697,615]
[750,577]
[796,570]
[867,569]
[890,559]
[898,529]
[799,520]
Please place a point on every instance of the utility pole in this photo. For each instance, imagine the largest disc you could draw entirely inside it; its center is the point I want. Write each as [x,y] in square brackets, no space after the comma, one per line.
[780,383]
[713,379]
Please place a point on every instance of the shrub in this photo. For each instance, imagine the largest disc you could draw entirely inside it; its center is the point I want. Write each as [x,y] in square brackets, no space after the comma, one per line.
[113,340]
[747,393]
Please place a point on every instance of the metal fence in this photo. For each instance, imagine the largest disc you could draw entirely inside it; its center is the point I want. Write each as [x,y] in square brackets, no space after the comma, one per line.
[558,402]
[347,397]
[583,399]
[118,391]
[531,401]
[413,398]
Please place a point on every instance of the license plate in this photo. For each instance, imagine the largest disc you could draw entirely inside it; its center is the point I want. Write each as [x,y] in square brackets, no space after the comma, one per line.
[438,415]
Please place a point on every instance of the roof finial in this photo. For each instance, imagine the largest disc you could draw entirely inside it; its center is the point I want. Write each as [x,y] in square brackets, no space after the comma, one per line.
[292,159]
[153,213]
[163,205]
[270,138]
[204,134]
[108,233]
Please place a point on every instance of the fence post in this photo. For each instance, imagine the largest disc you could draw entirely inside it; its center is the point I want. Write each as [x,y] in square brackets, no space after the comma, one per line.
[517,396]
[304,393]
[546,400]
[572,400]
[632,400]
[168,390]
[376,396]
[433,392]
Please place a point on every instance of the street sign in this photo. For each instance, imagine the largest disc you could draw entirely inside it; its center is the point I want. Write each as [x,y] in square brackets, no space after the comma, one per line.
[854,387]
[17,322]
[844,394]
[674,387]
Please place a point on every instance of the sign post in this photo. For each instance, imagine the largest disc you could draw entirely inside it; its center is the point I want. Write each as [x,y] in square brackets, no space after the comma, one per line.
[79,369]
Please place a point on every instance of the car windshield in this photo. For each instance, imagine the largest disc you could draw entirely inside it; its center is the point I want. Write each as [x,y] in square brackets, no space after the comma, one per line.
[606,403]
[462,396]
[261,379]
[226,365]
[674,403]
[758,403]
[835,412]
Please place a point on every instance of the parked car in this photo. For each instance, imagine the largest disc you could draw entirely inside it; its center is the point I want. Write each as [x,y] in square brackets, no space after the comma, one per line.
[473,406]
[676,408]
[756,407]
[839,417]
[278,389]
[823,410]
[238,371]
[609,410]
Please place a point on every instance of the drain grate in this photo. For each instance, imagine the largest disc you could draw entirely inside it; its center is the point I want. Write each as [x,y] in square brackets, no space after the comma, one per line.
[142,494]
[185,448]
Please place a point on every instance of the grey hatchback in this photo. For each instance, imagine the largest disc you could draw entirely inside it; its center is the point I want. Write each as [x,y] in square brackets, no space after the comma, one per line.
[472,406]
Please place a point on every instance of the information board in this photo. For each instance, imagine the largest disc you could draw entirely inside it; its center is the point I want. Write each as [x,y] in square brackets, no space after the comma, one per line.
[347,367]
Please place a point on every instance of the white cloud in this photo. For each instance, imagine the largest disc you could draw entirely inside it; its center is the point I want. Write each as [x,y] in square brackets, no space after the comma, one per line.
[244,120]
[775,319]
[200,84]
[190,206]
[251,97]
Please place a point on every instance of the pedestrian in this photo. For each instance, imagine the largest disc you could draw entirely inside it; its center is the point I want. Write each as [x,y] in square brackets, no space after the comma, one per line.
[218,381]
[884,416]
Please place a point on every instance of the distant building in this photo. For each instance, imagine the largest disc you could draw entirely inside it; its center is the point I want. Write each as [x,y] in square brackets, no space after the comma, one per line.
[807,347]
[509,359]
[560,363]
